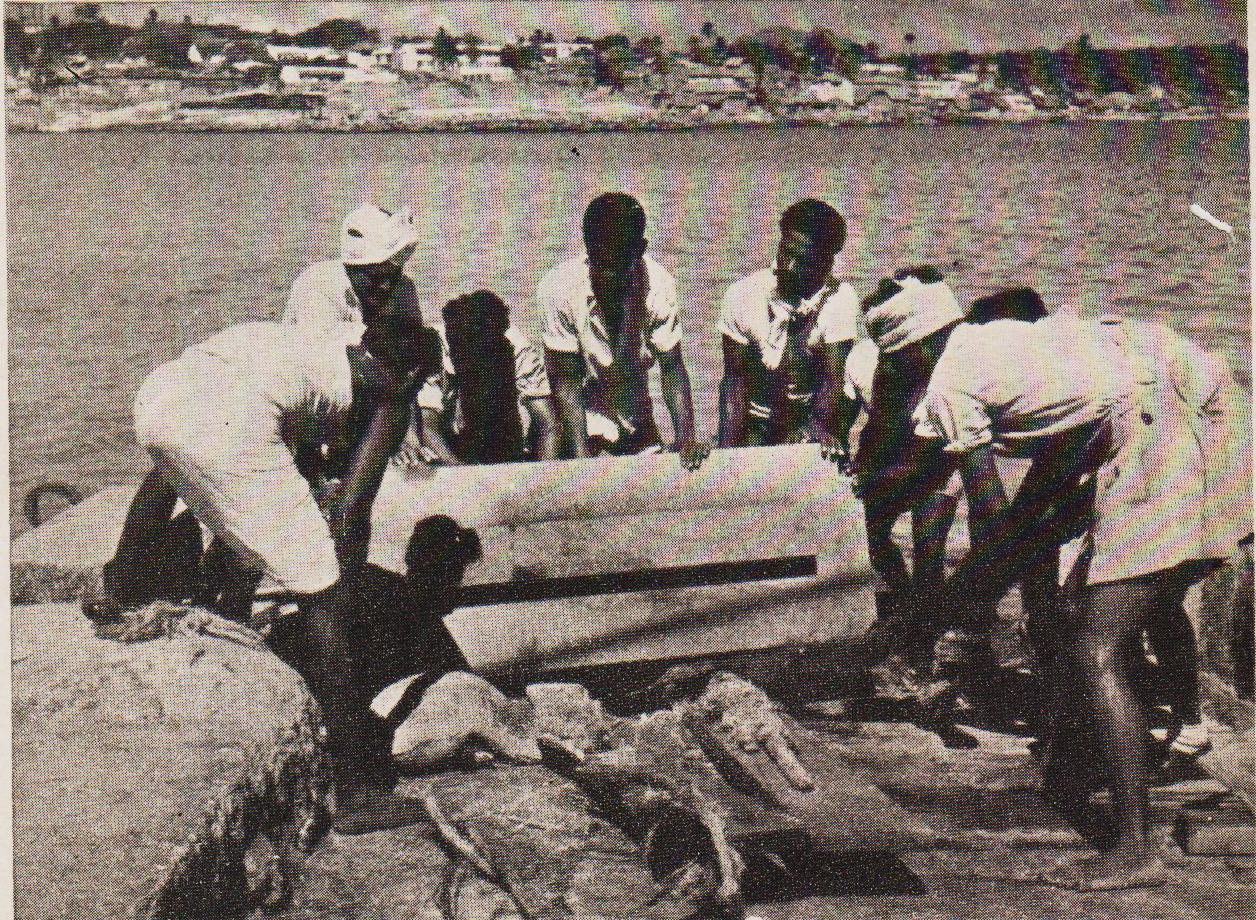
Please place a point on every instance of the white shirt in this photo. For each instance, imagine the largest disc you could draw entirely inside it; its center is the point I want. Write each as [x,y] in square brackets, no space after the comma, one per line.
[299,377]
[440,391]
[861,367]
[752,313]
[573,322]
[1014,383]
[322,296]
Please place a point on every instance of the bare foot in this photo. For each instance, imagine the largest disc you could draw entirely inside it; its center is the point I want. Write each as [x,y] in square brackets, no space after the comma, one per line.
[1112,871]
[375,808]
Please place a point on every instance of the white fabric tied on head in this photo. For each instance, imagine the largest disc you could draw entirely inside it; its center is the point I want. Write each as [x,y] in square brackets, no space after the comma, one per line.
[371,235]
[919,309]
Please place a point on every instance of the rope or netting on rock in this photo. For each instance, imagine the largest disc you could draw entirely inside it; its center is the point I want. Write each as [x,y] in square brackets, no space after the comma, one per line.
[165,620]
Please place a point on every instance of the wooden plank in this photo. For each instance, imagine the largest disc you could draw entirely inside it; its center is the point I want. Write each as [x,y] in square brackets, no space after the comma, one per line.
[607,560]
[840,811]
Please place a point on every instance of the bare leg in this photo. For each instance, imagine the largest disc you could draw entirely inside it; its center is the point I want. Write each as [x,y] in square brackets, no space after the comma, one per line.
[1112,618]
[931,522]
[156,557]
[1173,640]
[1241,650]
[326,655]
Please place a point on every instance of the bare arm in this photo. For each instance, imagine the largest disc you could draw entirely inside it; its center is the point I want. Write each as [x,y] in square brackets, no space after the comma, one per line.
[566,373]
[351,519]
[679,398]
[541,410]
[733,394]
[833,413]
[434,439]
[987,501]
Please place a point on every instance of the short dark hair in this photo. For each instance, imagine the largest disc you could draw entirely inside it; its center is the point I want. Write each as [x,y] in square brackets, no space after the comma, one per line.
[614,216]
[1023,304]
[818,220]
[439,541]
[482,311]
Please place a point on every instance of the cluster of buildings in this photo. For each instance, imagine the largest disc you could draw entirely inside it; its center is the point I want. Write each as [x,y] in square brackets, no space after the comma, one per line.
[387,79]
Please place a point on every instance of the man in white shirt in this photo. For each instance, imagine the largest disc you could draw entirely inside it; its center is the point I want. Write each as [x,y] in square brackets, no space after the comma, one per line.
[368,277]
[787,331]
[234,427]
[1157,422]
[608,318]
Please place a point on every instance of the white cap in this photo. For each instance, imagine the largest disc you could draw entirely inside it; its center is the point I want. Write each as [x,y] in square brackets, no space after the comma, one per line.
[371,235]
[919,309]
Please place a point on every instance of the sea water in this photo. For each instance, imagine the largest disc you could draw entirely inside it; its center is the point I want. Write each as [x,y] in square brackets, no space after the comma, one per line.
[126,247]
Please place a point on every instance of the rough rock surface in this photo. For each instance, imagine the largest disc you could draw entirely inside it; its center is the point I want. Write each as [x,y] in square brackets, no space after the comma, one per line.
[146,775]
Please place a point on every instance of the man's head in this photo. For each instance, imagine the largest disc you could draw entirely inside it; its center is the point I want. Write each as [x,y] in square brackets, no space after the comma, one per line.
[475,328]
[400,341]
[475,315]
[812,234]
[1024,304]
[374,246]
[439,553]
[910,316]
[614,239]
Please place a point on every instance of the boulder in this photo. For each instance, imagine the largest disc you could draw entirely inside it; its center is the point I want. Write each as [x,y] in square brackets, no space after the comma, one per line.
[154,779]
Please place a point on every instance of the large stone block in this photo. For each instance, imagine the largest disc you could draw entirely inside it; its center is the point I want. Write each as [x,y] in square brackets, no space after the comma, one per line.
[146,776]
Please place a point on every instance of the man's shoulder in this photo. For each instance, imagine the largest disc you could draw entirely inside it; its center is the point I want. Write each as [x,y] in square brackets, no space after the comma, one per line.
[329,271]
[379,587]
[757,285]
[561,278]
[844,291]
[659,277]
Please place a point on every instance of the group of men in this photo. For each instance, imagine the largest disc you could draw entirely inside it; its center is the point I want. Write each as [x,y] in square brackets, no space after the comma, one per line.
[276,437]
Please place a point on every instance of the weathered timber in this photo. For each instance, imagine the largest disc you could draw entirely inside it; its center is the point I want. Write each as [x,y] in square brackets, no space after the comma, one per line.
[543,841]
[842,811]
[603,560]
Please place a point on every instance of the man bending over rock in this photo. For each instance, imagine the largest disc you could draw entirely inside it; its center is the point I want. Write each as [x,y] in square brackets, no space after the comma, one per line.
[234,426]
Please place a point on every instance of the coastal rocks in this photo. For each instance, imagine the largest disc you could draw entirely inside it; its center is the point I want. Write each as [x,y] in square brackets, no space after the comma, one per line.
[167,778]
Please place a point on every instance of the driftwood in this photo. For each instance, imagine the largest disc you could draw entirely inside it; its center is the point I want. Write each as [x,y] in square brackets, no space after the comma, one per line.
[675,794]
[800,773]
[542,839]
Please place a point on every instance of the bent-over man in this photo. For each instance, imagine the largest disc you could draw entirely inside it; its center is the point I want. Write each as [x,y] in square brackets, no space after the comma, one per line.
[236,427]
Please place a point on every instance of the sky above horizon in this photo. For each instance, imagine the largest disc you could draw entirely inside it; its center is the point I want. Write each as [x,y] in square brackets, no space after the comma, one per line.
[975,25]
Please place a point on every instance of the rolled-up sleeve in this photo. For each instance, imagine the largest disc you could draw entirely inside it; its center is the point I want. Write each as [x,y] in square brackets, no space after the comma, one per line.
[432,394]
[530,377]
[665,328]
[729,323]
[558,321]
[957,418]
[839,317]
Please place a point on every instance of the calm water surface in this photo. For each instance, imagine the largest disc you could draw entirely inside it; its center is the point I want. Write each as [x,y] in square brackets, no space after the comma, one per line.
[124,248]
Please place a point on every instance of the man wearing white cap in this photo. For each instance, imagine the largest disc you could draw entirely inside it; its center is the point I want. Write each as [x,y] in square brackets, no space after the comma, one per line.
[908,318]
[786,332]
[1160,425]
[374,247]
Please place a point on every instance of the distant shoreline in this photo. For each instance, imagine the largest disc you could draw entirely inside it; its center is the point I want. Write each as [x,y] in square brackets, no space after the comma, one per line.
[531,126]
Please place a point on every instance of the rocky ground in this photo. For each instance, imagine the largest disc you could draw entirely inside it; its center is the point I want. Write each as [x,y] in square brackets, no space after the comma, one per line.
[173,777]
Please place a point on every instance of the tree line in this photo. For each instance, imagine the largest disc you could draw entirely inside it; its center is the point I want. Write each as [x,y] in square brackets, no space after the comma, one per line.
[1192,72]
